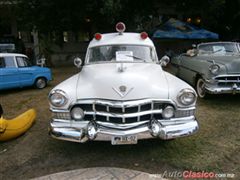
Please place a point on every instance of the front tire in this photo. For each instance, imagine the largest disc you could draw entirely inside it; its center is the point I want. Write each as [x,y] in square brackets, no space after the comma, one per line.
[200,88]
[40,83]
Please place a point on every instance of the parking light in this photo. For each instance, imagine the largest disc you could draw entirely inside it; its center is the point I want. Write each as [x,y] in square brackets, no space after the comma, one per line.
[168,112]
[77,113]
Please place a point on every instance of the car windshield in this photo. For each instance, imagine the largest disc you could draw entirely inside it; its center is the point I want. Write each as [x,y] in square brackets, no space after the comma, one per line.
[222,49]
[116,53]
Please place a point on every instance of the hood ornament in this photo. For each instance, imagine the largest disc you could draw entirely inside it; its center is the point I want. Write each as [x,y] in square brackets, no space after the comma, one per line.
[121,67]
[122,91]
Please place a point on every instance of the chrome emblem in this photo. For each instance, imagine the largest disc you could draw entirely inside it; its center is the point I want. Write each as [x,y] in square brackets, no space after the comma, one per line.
[122,91]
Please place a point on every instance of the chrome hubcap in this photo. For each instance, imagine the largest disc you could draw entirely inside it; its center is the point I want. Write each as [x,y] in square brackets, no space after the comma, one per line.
[201,88]
[41,83]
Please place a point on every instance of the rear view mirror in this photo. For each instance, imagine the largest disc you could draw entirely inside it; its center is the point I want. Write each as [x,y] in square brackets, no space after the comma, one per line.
[164,61]
[77,62]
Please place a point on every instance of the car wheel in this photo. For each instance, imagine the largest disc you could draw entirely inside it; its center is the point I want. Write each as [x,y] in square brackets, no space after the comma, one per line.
[41,83]
[200,88]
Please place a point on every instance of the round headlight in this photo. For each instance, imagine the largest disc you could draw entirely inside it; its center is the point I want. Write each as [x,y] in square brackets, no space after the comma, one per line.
[58,98]
[187,97]
[77,113]
[214,69]
[168,112]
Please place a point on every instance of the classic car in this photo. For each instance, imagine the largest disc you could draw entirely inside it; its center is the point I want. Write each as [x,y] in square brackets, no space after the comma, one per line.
[17,71]
[212,68]
[122,95]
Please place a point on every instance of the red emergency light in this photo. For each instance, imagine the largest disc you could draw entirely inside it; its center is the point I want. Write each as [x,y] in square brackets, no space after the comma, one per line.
[144,35]
[120,27]
[98,36]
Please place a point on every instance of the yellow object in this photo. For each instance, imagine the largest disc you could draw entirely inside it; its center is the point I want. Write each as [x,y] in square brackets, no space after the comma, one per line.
[13,128]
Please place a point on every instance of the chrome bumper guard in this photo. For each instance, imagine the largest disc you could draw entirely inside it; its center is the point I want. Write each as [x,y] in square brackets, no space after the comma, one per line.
[79,131]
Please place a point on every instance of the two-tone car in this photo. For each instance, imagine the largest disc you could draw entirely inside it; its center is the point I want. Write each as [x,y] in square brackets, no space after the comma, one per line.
[16,71]
[122,95]
[212,68]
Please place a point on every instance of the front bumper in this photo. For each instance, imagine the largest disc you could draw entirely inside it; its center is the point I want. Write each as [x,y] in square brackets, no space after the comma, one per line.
[222,90]
[223,84]
[216,89]
[78,130]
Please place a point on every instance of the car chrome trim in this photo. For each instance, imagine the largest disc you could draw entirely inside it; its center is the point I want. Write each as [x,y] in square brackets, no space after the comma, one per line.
[67,111]
[64,131]
[223,84]
[119,103]
[125,112]
[221,90]
[129,115]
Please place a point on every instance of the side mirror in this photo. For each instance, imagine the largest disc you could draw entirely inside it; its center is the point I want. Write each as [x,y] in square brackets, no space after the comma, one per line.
[77,62]
[1,110]
[164,61]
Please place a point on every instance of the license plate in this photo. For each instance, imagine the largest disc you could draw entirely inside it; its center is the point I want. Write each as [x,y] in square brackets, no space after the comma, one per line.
[118,140]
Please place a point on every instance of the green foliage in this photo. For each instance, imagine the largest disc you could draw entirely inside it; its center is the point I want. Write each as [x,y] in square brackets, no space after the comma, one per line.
[60,15]
[101,15]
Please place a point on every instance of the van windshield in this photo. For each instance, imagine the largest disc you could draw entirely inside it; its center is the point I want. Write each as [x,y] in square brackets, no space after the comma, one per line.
[116,53]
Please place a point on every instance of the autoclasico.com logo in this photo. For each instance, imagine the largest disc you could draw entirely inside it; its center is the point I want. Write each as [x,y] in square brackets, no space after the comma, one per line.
[193,175]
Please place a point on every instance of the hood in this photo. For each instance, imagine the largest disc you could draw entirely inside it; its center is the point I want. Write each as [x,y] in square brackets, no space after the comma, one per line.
[231,63]
[122,81]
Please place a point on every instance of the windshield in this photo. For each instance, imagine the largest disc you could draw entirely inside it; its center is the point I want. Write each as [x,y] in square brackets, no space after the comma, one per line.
[119,53]
[222,49]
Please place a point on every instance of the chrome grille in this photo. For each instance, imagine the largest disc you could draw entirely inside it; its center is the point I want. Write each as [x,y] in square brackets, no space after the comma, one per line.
[122,112]
[61,115]
[228,80]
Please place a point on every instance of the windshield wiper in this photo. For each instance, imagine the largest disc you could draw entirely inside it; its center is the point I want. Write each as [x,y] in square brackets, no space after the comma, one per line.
[136,57]
[216,51]
[230,51]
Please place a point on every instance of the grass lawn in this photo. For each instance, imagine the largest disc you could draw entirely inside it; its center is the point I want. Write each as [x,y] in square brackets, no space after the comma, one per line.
[216,147]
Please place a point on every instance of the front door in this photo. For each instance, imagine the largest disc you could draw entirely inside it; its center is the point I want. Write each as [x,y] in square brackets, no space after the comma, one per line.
[25,71]
[9,73]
